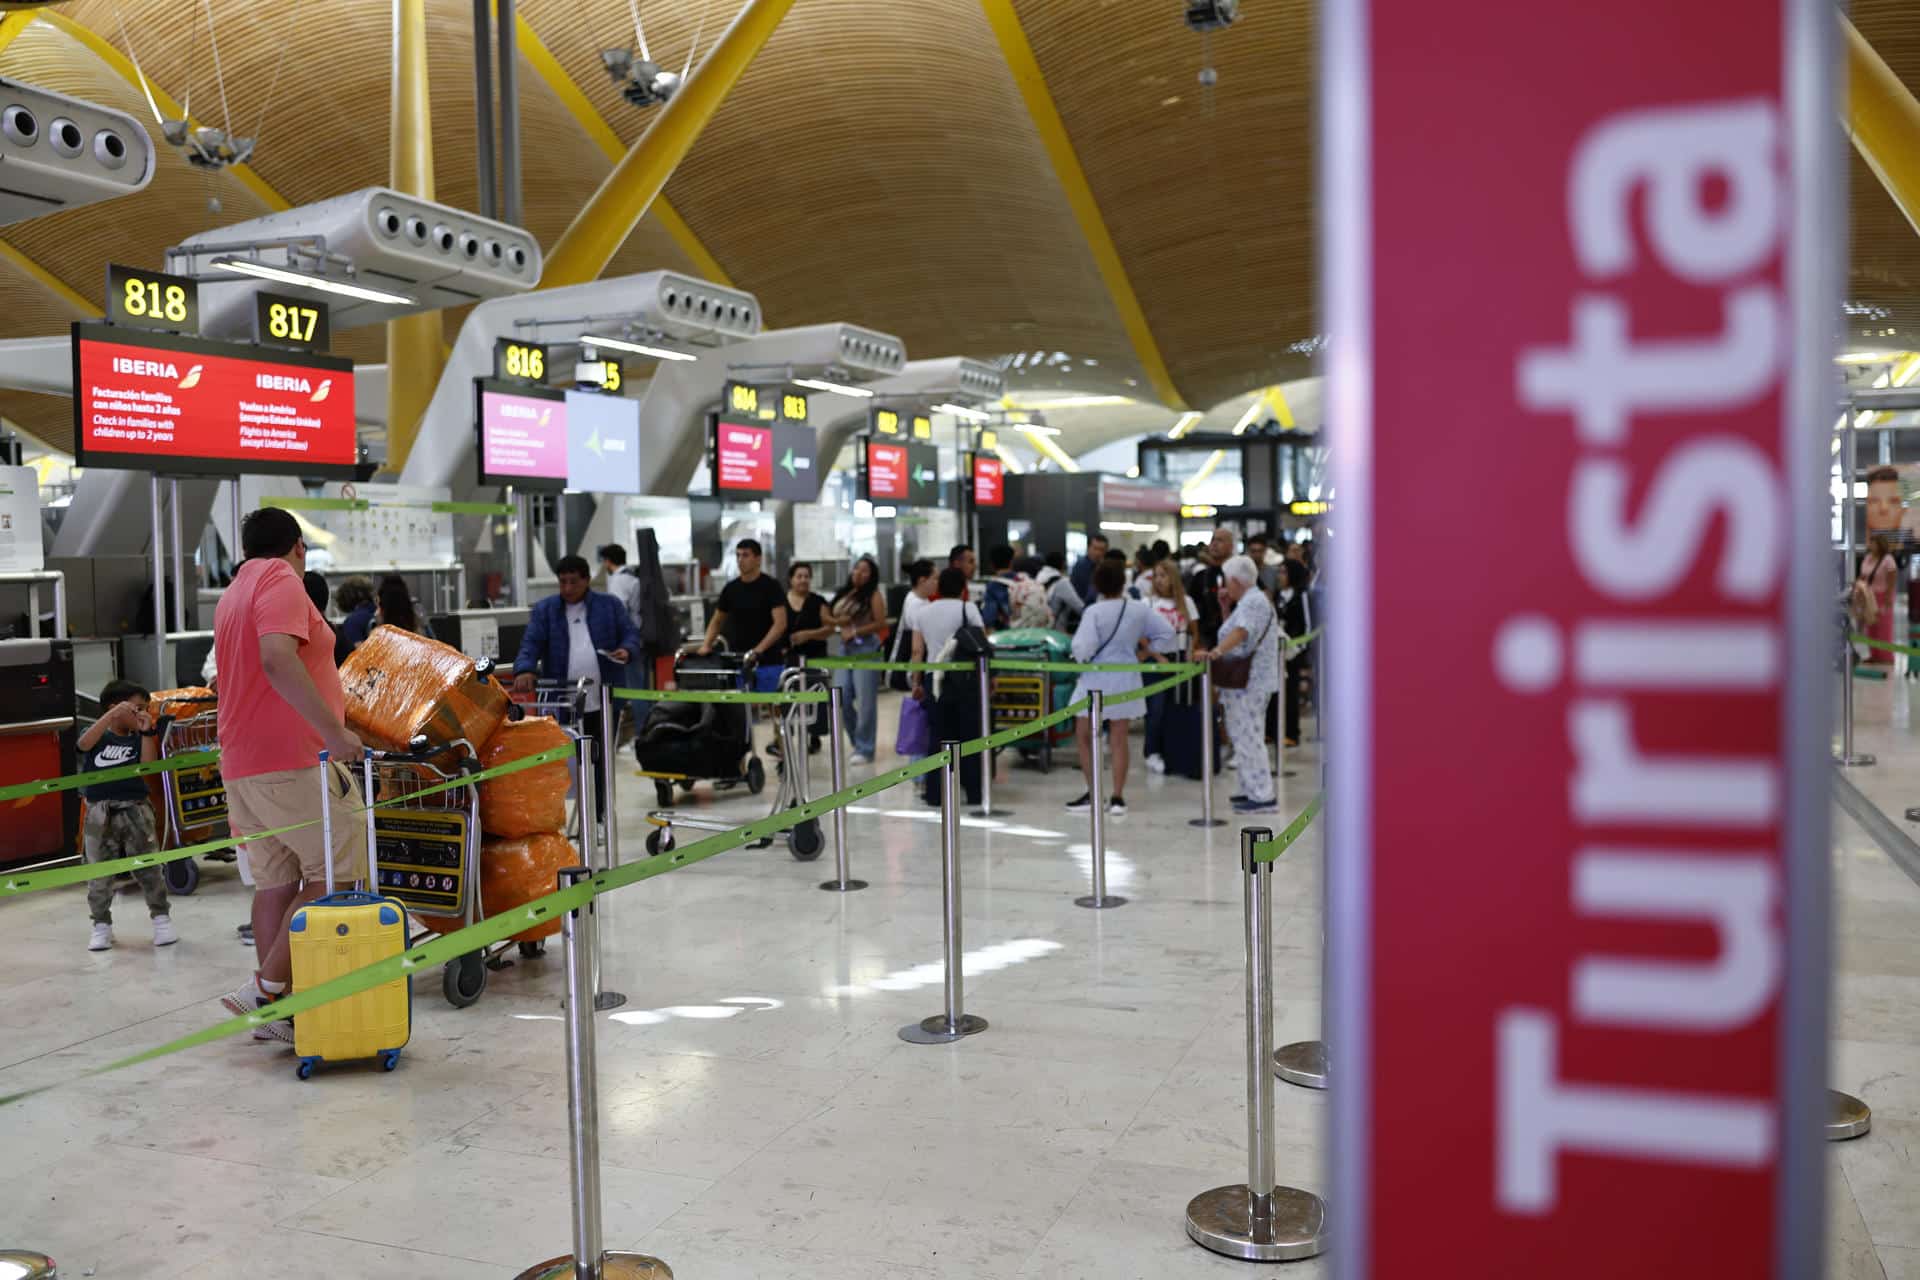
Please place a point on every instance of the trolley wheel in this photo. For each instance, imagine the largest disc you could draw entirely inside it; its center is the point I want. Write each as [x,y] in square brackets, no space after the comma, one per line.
[686,785]
[389,1059]
[663,792]
[528,950]
[183,876]
[659,841]
[806,841]
[305,1069]
[756,776]
[464,979]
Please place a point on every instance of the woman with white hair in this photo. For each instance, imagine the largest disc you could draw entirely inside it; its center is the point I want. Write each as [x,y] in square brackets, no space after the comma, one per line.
[1248,633]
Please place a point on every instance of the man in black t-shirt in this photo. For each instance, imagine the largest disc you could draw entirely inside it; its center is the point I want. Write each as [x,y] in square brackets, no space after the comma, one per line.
[752,613]
[1203,586]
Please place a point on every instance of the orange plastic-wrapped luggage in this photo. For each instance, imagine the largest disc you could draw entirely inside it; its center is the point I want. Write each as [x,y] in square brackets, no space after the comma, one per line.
[400,685]
[513,872]
[533,800]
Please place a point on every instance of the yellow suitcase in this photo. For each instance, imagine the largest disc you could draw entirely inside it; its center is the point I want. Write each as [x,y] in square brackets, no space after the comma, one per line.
[336,935]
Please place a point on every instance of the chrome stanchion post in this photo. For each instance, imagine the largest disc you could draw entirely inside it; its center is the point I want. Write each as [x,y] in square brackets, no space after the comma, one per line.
[955,1022]
[1097,793]
[596,861]
[179,558]
[1847,1116]
[588,1261]
[838,758]
[985,674]
[1206,818]
[609,735]
[1848,757]
[1259,1220]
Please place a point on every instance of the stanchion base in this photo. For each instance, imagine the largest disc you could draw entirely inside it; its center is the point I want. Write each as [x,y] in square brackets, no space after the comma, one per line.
[613,1266]
[984,812]
[1847,1116]
[842,886]
[1111,900]
[1206,822]
[1222,1220]
[1858,760]
[608,1000]
[1913,815]
[937,1030]
[1303,1063]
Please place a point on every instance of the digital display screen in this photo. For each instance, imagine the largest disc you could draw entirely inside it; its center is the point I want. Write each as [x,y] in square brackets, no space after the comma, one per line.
[923,475]
[523,435]
[743,459]
[191,406]
[989,482]
[796,478]
[603,442]
[886,472]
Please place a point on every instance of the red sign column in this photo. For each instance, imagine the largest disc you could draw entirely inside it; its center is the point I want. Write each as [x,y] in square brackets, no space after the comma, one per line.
[1577,265]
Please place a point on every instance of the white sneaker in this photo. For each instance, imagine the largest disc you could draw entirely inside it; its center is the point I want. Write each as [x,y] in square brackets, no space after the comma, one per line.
[163,934]
[1156,764]
[1117,807]
[102,939]
[281,1031]
[859,757]
[245,998]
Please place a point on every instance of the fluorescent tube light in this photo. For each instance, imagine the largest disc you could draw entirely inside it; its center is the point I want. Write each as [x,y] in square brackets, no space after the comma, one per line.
[837,388]
[1184,425]
[963,413]
[638,348]
[324,284]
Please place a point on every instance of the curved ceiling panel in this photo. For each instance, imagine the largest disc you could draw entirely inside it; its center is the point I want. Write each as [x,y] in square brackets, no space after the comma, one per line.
[876,164]
[1208,194]
[1883,282]
[75,246]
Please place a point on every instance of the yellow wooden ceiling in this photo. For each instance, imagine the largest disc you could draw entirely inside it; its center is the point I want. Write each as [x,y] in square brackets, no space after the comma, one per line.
[877,163]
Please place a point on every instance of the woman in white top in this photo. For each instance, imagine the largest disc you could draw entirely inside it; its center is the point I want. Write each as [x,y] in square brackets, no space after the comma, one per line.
[1250,628]
[1168,596]
[1112,630]
[935,623]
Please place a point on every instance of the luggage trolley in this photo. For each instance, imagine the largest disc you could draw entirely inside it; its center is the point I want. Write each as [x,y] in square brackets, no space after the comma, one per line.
[425,849]
[804,841]
[195,799]
[679,744]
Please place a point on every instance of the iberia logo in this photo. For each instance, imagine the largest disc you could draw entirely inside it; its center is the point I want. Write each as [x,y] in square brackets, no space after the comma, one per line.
[320,392]
[545,414]
[192,379]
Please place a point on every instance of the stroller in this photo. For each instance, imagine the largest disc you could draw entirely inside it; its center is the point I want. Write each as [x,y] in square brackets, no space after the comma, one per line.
[681,743]
[805,840]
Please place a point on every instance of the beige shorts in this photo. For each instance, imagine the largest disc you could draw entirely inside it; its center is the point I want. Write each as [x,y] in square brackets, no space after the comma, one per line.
[269,800]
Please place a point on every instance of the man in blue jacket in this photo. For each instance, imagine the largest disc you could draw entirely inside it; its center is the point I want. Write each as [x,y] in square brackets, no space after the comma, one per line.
[580,634]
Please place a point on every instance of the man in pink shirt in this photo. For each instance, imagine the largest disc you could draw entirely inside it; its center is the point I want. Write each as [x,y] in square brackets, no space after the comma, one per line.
[280,706]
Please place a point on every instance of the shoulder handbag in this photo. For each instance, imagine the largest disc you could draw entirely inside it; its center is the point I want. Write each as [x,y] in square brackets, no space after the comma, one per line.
[1233,673]
[1117,624]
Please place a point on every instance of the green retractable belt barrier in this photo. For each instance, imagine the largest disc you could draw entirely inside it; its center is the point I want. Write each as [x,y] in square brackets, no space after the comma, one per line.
[504,925]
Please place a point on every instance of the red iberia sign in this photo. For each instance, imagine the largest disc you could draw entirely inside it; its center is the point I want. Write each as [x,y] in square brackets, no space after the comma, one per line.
[1577,839]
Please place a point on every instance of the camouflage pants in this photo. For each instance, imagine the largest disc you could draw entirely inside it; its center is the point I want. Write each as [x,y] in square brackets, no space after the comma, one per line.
[121,829]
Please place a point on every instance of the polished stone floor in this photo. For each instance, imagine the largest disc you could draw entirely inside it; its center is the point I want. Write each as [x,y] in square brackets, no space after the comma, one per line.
[761,1118]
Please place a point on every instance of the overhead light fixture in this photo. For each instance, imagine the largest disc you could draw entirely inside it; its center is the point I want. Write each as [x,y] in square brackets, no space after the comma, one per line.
[248,267]
[1047,448]
[638,348]
[963,413]
[1068,402]
[1128,526]
[1184,424]
[836,388]
[1246,419]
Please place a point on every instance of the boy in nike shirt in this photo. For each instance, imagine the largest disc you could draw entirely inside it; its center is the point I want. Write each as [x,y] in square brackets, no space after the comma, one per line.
[120,821]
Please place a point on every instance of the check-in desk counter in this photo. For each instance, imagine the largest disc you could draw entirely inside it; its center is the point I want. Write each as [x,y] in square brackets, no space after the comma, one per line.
[186,658]
[37,733]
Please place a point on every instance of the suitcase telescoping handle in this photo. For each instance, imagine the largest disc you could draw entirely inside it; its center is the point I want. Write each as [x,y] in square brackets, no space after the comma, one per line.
[326,816]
